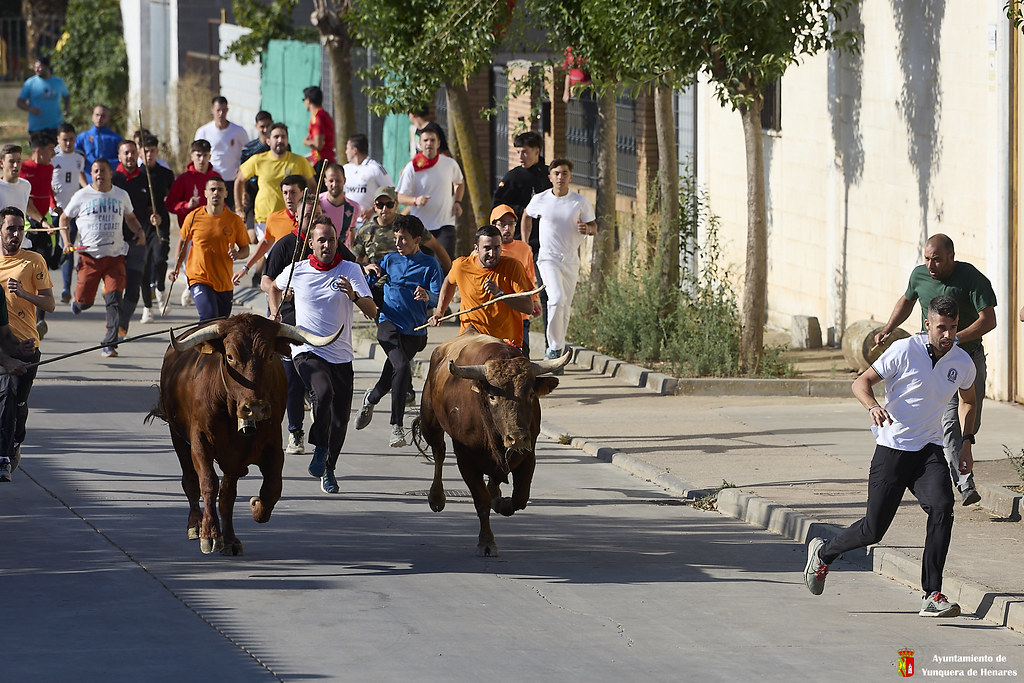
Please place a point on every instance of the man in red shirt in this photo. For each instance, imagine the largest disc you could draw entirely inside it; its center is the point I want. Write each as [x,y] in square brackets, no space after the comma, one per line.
[188,192]
[38,171]
[320,138]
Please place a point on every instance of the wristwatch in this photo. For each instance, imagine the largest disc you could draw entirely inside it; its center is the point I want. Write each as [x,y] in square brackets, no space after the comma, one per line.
[969,437]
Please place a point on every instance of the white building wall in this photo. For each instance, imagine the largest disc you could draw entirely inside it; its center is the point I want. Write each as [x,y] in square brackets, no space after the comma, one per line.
[853,194]
[148,29]
[239,84]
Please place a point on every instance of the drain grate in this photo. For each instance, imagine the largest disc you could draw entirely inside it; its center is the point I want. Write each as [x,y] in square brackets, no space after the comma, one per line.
[448,493]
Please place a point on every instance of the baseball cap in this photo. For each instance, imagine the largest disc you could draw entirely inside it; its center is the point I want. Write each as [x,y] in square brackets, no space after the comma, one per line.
[500,210]
[388,192]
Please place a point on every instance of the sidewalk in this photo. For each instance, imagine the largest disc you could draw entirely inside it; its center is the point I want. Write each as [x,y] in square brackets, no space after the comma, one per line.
[798,464]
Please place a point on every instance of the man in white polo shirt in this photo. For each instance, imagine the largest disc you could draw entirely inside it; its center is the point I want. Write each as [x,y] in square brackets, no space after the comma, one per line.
[226,142]
[327,289]
[921,374]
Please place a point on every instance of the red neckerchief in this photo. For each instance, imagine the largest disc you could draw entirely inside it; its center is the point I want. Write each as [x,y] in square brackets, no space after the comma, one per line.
[420,162]
[128,176]
[320,265]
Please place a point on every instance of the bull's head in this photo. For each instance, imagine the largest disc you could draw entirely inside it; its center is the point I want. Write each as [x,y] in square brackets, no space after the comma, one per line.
[510,387]
[245,345]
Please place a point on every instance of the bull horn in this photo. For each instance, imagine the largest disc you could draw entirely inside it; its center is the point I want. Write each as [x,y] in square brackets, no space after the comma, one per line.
[303,337]
[550,365]
[476,372]
[204,334]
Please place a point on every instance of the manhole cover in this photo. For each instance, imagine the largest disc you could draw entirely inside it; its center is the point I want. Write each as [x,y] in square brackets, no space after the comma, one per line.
[449,493]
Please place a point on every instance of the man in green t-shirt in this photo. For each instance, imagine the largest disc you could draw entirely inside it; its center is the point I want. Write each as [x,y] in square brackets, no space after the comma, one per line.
[941,273]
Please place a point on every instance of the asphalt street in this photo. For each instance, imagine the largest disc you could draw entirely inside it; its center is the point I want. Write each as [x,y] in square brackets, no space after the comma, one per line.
[604,577]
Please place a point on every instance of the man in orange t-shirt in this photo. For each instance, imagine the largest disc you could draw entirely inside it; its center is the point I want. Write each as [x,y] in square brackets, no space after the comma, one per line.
[482,276]
[505,219]
[217,237]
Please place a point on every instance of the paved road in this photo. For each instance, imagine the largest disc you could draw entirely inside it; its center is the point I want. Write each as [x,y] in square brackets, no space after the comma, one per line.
[603,578]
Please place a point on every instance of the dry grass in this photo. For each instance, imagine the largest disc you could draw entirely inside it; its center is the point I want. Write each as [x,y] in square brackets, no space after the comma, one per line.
[13,121]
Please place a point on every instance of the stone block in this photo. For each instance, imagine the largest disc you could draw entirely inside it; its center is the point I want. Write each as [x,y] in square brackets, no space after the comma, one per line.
[805,332]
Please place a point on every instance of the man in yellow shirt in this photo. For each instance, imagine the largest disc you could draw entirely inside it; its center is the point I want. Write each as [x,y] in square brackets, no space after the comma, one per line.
[218,236]
[27,287]
[505,220]
[481,277]
[270,168]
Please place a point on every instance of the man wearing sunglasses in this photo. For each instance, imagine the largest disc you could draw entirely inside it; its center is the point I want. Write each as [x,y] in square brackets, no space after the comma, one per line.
[376,238]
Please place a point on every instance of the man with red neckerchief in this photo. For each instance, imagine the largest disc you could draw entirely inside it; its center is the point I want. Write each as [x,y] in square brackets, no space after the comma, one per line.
[325,288]
[432,186]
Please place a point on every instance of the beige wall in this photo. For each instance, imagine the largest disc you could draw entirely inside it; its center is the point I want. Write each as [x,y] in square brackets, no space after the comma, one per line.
[844,255]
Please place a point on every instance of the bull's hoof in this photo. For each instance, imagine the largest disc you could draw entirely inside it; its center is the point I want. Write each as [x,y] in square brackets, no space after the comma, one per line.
[211,545]
[487,549]
[193,532]
[234,548]
[503,506]
[260,513]
[436,504]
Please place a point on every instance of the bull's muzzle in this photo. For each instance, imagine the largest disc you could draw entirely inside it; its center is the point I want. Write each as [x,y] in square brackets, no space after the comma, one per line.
[250,413]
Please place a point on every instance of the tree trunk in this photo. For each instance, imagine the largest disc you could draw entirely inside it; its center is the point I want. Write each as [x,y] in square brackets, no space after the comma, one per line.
[603,255]
[668,189]
[755,284]
[461,117]
[328,18]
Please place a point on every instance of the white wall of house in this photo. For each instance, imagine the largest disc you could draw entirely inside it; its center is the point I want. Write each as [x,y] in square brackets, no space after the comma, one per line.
[239,84]
[148,39]
[877,152]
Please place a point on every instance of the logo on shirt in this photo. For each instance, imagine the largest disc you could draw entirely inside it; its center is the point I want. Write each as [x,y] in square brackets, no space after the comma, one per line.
[951,376]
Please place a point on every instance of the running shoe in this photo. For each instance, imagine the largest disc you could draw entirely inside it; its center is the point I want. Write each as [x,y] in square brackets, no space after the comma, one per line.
[328,484]
[366,412]
[816,570]
[397,436]
[936,605]
[318,464]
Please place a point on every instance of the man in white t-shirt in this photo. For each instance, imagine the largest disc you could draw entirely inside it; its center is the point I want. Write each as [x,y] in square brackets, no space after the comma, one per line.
[226,142]
[68,178]
[568,219]
[921,373]
[432,185]
[99,210]
[363,176]
[325,289]
[15,191]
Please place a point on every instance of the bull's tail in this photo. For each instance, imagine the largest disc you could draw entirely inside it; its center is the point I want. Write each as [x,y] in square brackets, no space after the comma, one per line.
[156,412]
[417,437]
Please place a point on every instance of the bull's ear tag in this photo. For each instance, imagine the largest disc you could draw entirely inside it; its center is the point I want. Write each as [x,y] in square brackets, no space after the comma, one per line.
[205,348]
[476,389]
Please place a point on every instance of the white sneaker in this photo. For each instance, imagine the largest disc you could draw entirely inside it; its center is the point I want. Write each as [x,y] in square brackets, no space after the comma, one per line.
[295,446]
[158,296]
[397,436]
[186,298]
[147,315]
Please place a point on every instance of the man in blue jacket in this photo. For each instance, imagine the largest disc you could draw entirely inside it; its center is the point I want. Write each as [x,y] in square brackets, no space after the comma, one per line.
[99,141]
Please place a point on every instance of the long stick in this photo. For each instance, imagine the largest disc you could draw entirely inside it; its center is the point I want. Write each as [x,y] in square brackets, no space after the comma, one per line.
[299,244]
[513,295]
[100,346]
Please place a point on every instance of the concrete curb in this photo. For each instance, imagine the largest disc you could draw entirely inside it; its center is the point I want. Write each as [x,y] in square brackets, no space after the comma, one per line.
[1002,609]
[1001,501]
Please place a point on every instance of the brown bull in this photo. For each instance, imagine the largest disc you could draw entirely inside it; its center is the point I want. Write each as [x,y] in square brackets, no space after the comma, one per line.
[485,395]
[222,392]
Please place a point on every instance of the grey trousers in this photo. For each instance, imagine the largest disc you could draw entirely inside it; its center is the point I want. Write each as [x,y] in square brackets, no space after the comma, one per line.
[952,438]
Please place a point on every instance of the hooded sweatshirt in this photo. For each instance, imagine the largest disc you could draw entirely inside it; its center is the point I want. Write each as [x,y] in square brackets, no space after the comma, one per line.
[189,184]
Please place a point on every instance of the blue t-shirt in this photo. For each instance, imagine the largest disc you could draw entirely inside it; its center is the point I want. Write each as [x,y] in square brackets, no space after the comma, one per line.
[47,94]
[98,142]
[405,273]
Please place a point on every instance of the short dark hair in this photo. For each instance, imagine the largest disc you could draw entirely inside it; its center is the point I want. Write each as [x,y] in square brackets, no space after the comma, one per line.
[219,99]
[432,127]
[9,149]
[335,166]
[360,142]
[945,306]
[262,115]
[38,139]
[201,146]
[314,94]
[44,60]
[486,231]
[322,220]
[529,139]
[555,163]
[422,112]
[13,211]
[410,224]
[295,179]
[149,140]
[124,142]
[276,125]
[103,161]
[65,128]
[215,179]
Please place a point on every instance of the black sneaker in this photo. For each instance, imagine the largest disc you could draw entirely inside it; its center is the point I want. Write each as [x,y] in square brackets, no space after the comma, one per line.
[5,470]
[328,484]
[970,493]
[366,412]
[318,463]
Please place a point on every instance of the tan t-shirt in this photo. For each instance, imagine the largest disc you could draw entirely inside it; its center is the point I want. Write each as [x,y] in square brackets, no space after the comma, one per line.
[30,268]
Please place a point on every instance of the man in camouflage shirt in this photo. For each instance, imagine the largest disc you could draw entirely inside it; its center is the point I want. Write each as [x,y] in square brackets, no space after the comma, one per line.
[376,237]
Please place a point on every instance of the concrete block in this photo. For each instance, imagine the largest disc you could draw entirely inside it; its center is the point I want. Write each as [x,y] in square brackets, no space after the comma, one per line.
[585,359]
[661,383]
[633,375]
[1000,500]
[805,332]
